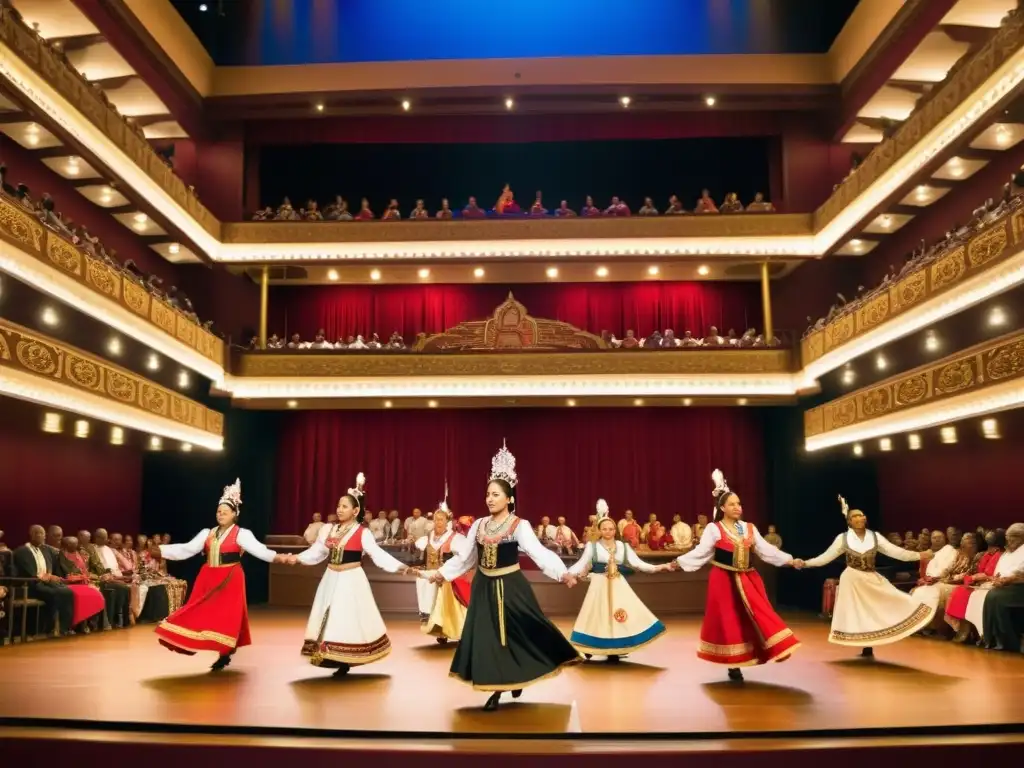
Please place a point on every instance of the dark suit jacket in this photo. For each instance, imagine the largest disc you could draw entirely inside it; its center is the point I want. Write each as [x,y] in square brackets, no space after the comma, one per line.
[25,563]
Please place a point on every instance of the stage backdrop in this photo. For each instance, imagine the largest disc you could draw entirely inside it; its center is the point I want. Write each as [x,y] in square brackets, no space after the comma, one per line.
[617,307]
[646,459]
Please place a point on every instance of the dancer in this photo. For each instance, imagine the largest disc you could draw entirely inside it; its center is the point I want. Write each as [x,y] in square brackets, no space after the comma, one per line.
[612,620]
[507,643]
[345,628]
[740,627]
[869,610]
[216,617]
[442,608]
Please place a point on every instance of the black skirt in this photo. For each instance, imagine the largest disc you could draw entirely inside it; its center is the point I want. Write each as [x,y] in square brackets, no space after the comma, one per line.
[507,643]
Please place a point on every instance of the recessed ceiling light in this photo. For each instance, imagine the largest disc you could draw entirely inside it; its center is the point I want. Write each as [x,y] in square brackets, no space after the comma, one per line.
[552,272]
[703,270]
[141,218]
[173,249]
[478,272]
[387,403]
[406,105]
[687,401]
[375,274]
[53,423]
[956,168]
[625,101]
[186,447]
[155,443]
[1003,136]
[885,444]
[509,103]
[638,401]
[858,449]
[653,271]
[32,128]
[72,169]
[881,363]
[293,403]
[50,316]
[914,442]
[571,403]
[886,221]
[114,346]
[332,274]
[424,273]
[997,317]
[116,436]
[320,107]
[184,380]
[32,139]
[203,7]
[601,272]
[990,429]
[741,401]
[153,363]
[710,101]
[931,342]
[948,435]
[849,375]
[432,403]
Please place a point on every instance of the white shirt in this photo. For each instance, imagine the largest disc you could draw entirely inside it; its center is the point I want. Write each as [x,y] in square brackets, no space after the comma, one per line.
[106,555]
[319,551]
[465,557]
[245,539]
[939,564]
[415,527]
[548,531]
[311,532]
[682,535]
[702,554]
[623,555]
[854,543]
[395,527]
[1010,562]
[378,528]
[436,542]
[37,555]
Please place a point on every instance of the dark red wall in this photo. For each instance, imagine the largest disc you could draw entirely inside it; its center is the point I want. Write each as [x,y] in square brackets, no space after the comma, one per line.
[231,301]
[217,170]
[58,479]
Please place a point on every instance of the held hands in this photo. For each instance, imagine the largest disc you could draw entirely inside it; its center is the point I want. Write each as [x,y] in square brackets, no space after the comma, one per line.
[798,564]
[927,555]
[437,578]
[569,580]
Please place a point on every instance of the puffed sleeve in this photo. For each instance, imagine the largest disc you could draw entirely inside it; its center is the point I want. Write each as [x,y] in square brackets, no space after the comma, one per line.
[380,558]
[834,550]
[318,550]
[889,549]
[700,555]
[549,563]
[421,543]
[464,556]
[580,566]
[253,546]
[770,554]
[186,550]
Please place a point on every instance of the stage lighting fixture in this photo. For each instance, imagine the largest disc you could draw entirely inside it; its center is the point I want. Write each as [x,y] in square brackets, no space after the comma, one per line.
[293,403]
[406,105]
[849,375]
[881,363]
[375,274]
[332,274]
[552,272]
[116,436]
[703,270]
[53,423]
[885,444]
[687,401]
[990,429]
[183,380]
[387,403]
[424,273]
[50,316]
[509,103]
[914,442]
[571,403]
[478,272]
[601,272]
[625,101]
[858,449]
[638,401]
[653,271]
[186,447]
[432,403]
[153,363]
[155,443]
[710,101]
[948,435]
[997,317]
[931,342]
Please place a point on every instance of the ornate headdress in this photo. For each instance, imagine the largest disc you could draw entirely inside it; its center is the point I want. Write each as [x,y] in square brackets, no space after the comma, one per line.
[845,507]
[602,510]
[232,495]
[443,506]
[358,491]
[503,466]
[721,488]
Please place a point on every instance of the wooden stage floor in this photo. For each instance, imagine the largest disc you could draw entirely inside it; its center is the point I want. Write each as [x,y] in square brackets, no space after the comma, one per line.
[125,676]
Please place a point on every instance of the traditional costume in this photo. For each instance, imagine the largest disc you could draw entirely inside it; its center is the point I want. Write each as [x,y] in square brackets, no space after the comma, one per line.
[992,628]
[868,609]
[612,621]
[740,627]
[507,643]
[956,606]
[442,608]
[216,617]
[345,628]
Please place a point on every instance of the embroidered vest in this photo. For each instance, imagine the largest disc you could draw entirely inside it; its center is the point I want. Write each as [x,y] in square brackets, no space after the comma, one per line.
[434,558]
[223,551]
[732,551]
[862,561]
[344,552]
[613,567]
[499,550]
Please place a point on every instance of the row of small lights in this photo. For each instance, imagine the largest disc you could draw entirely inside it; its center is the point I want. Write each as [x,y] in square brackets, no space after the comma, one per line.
[997,318]
[53,424]
[510,103]
[948,436]
[570,403]
[50,317]
[552,272]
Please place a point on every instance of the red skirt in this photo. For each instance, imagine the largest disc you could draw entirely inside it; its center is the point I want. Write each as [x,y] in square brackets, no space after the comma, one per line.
[461,587]
[740,626]
[215,618]
[88,602]
[956,605]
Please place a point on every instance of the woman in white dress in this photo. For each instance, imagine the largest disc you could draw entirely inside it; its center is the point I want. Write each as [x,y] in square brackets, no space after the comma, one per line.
[869,610]
[612,621]
[442,608]
[345,628]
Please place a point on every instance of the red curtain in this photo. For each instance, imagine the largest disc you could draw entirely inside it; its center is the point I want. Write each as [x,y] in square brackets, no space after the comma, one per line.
[410,309]
[76,484]
[648,460]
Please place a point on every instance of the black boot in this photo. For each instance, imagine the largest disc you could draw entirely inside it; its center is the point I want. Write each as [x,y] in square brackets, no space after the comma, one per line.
[867,653]
[221,662]
[517,693]
[588,656]
[342,670]
[442,641]
[735,674]
[613,659]
[492,702]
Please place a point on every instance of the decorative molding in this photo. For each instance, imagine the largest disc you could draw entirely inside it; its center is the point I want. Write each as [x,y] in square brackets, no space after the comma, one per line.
[973,370]
[993,244]
[60,364]
[21,229]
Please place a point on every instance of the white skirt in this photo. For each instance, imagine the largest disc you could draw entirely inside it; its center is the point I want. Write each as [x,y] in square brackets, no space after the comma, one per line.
[976,607]
[870,611]
[613,621]
[426,593]
[345,626]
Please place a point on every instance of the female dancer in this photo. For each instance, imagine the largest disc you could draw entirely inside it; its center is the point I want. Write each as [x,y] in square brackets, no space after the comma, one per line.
[740,627]
[216,617]
[442,609]
[507,643]
[345,628]
[612,620]
[869,610]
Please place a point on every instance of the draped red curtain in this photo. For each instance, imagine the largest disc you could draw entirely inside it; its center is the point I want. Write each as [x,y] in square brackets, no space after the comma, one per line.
[617,307]
[648,460]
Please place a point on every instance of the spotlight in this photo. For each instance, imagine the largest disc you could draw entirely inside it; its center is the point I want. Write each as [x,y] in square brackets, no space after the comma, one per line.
[990,429]
[332,274]
[625,101]
[601,272]
[153,363]
[571,403]
[552,272]
[375,274]
[687,401]
[432,403]
[931,342]
[32,128]
[509,103]
[293,403]
[186,447]
[922,193]
[173,249]
[183,380]
[424,273]
[703,270]
[857,245]
[155,443]
[997,317]
[710,101]
[858,449]
[53,423]
[203,7]
[32,139]
[1003,136]
[914,442]
[638,401]
[887,221]
[653,271]
[948,435]
[50,317]
[387,403]
[741,401]
[885,444]
[406,105]
[116,436]
[141,218]
[72,169]
[320,107]
[478,272]
[849,375]
[881,363]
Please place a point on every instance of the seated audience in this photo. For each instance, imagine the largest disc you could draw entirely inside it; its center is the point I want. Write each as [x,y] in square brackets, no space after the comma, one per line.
[617,208]
[564,210]
[392,212]
[937,590]
[589,209]
[713,339]
[760,205]
[365,214]
[538,209]
[995,611]
[419,212]
[446,211]
[732,204]
[956,605]
[681,534]
[566,539]
[705,204]
[648,209]
[472,210]
[34,560]
[313,529]
[74,572]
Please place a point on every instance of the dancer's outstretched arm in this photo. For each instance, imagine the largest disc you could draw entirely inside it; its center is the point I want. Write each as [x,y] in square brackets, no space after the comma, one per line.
[889,549]
[464,557]
[580,566]
[834,550]
[549,563]
[633,561]
[252,546]
[700,555]
[380,558]
[318,551]
[186,550]
[770,553]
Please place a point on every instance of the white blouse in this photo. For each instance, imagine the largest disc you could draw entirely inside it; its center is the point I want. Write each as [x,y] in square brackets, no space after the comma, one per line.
[941,563]
[319,551]
[702,554]
[1010,563]
[623,555]
[854,543]
[245,539]
[465,556]
[438,541]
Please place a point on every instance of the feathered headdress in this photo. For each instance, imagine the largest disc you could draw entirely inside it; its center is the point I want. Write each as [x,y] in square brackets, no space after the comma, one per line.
[845,507]
[602,510]
[503,466]
[721,487]
[358,491]
[232,495]
[443,506]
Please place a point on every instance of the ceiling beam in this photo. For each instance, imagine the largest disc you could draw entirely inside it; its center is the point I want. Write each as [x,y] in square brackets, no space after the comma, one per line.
[76,42]
[973,36]
[113,83]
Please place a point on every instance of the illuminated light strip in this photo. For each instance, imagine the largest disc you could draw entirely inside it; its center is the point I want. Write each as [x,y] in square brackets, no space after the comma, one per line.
[999,397]
[298,388]
[44,96]
[985,285]
[26,386]
[49,280]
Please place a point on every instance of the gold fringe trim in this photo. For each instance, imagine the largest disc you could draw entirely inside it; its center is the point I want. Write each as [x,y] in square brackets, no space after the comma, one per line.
[215,637]
[921,616]
[499,593]
[516,686]
[353,661]
[725,650]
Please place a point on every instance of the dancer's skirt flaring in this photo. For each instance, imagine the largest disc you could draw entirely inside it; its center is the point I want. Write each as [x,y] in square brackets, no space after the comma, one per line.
[216,616]
[613,621]
[447,616]
[870,611]
[345,627]
[740,626]
[507,643]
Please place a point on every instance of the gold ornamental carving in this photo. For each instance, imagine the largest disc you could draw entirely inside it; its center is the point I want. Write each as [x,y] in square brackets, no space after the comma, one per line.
[988,246]
[103,278]
[69,367]
[839,331]
[971,370]
[136,297]
[163,316]
[873,312]
[949,268]
[64,255]
[20,227]
[1017,226]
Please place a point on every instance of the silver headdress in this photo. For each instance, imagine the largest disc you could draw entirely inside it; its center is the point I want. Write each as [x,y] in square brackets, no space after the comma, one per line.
[358,491]
[721,487]
[602,510]
[845,507]
[232,495]
[503,466]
